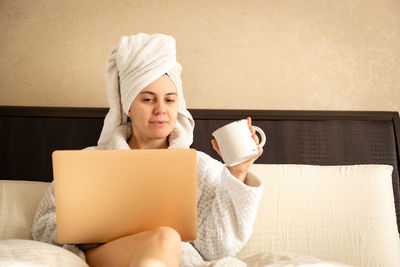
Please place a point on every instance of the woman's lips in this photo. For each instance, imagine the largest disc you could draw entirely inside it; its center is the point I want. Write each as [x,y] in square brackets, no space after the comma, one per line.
[158,123]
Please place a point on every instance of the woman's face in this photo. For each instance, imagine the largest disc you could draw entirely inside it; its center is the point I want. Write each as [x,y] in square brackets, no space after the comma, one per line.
[154,111]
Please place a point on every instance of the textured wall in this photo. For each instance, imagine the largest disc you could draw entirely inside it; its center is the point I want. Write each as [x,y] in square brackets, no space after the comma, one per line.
[260,54]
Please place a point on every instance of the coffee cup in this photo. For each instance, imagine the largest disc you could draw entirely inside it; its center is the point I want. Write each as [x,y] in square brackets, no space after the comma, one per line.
[235,142]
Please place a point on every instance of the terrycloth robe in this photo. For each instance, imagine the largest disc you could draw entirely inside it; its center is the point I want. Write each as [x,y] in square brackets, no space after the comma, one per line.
[226,211]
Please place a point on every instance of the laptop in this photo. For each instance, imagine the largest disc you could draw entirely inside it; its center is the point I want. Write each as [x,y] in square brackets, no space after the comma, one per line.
[103,195]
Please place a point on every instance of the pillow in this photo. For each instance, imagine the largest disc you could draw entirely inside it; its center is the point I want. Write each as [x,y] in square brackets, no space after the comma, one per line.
[337,213]
[24,253]
[19,202]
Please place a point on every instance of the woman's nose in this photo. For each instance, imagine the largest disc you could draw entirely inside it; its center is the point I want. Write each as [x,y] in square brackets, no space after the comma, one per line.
[160,107]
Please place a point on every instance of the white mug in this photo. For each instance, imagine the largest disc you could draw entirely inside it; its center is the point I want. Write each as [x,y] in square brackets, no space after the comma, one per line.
[236,143]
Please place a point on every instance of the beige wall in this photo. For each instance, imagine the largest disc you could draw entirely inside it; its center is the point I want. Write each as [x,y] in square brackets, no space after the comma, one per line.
[260,54]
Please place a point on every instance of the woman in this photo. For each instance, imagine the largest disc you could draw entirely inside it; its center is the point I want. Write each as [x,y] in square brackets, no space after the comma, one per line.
[144,85]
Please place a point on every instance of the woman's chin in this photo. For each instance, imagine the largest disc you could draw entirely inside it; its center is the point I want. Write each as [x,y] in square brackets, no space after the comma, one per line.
[159,132]
[160,135]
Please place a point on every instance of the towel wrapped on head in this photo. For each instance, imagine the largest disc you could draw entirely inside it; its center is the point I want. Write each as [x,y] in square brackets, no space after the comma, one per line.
[133,64]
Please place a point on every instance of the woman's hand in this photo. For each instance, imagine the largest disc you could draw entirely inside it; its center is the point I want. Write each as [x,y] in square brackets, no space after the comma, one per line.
[240,170]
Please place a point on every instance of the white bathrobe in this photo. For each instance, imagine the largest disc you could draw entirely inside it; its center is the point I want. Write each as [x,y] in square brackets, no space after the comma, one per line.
[226,211]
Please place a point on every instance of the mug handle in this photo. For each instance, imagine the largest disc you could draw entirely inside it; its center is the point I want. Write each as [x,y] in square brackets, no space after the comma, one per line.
[262,134]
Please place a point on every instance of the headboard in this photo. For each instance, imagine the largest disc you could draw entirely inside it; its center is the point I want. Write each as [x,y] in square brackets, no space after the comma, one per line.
[28,135]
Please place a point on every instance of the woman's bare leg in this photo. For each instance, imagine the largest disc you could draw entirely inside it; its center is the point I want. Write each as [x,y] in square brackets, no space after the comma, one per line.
[159,247]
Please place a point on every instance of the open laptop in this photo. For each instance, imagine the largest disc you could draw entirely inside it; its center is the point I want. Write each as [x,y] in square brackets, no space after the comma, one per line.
[102,195]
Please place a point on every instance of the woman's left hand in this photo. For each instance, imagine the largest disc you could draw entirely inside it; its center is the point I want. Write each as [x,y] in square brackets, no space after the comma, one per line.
[240,170]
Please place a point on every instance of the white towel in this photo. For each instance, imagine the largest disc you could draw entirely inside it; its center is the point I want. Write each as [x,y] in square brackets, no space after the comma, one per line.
[133,64]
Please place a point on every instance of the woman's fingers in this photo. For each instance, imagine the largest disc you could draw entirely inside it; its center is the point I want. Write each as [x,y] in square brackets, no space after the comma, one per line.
[252,160]
[216,147]
[249,121]
[253,132]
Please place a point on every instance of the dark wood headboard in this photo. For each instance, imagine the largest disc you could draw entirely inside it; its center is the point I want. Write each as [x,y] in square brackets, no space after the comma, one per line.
[28,136]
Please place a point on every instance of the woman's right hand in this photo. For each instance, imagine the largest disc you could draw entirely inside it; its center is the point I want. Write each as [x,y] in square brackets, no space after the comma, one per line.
[240,170]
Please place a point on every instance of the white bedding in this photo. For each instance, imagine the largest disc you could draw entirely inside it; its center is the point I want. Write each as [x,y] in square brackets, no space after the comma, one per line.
[361,220]
[29,253]
[287,259]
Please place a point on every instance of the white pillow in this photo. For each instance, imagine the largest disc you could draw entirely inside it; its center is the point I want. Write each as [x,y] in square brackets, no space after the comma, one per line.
[29,253]
[19,202]
[337,213]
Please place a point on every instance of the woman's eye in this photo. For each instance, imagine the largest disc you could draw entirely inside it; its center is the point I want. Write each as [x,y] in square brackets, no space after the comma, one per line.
[147,99]
[170,100]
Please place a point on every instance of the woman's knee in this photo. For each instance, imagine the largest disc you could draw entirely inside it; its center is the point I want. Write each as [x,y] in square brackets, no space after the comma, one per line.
[166,236]
[162,244]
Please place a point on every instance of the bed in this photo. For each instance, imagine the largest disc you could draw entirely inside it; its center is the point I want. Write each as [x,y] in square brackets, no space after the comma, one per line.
[345,148]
